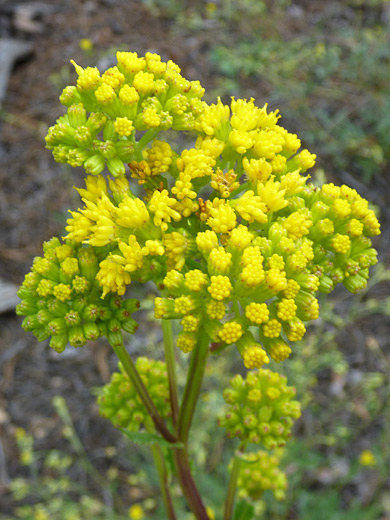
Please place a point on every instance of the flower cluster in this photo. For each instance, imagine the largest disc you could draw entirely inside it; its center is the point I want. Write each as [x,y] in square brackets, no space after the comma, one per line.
[259,472]
[62,299]
[261,409]
[139,93]
[120,402]
[236,239]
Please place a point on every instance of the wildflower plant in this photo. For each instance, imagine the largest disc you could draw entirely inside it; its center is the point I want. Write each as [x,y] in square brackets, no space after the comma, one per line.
[235,238]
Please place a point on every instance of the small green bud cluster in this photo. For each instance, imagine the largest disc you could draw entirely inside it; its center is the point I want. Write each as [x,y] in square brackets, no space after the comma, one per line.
[62,300]
[120,403]
[261,409]
[259,472]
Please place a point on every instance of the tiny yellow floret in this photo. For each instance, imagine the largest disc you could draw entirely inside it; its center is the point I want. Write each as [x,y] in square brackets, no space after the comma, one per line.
[231,332]
[215,310]
[279,351]
[367,458]
[257,313]
[220,287]
[195,280]
[272,328]
[62,292]
[254,357]
[123,126]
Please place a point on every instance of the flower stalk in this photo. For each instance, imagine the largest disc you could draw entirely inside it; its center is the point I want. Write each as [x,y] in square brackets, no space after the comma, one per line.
[232,487]
[171,367]
[194,382]
[188,485]
[161,467]
[129,367]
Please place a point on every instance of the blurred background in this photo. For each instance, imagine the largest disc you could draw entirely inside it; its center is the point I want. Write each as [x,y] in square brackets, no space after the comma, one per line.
[326,66]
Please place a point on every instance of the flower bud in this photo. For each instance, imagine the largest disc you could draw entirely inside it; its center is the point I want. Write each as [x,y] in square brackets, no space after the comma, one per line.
[77,115]
[91,331]
[59,342]
[116,167]
[258,410]
[76,336]
[94,164]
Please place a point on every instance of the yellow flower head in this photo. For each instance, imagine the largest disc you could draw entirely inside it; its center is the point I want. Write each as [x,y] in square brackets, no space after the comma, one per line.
[254,357]
[367,458]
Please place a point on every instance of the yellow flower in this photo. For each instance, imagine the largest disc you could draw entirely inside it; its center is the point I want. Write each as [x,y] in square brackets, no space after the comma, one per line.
[214,119]
[257,312]
[272,328]
[246,115]
[240,237]
[184,305]
[220,287]
[89,78]
[298,224]
[206,241]
[257,169]
[85,44]
[132,254]
[176,245]
[112,277]
[190,323]
[341,243]
[123,126]
[306,160]
[62,292]
[143,82]
[367,458]
[268,144]
[251,208]
[279,351]
[230,332]
[195,280]
[254,357]
[163,208]
[219,260]
[215,310]
[136,512]
[286,309]
[105,94]
[186,341]
[222,219]
[113,77]
[132,212]
[272,194]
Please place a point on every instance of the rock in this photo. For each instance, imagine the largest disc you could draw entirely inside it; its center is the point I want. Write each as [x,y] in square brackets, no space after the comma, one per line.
[10,51]
[8,296]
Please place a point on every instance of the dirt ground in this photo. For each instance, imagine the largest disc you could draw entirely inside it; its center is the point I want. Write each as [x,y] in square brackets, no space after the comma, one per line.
[35,193]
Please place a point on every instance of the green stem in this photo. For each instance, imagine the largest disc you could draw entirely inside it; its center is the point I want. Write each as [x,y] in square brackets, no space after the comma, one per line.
[236,308]
[169,348]
[187,409]
[163,476]
[231,493]
[194,382]
[188,485]
[131,371]
[145,139]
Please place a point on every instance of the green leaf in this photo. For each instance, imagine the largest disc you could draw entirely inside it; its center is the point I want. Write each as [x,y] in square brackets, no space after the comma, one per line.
[243,511]
[148,439]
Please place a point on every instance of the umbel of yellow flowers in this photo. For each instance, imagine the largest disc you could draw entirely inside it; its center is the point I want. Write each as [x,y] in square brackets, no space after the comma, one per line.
[236,239]
[230,230]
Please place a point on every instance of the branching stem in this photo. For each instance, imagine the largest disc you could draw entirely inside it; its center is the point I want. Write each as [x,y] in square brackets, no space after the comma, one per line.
[132,372]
